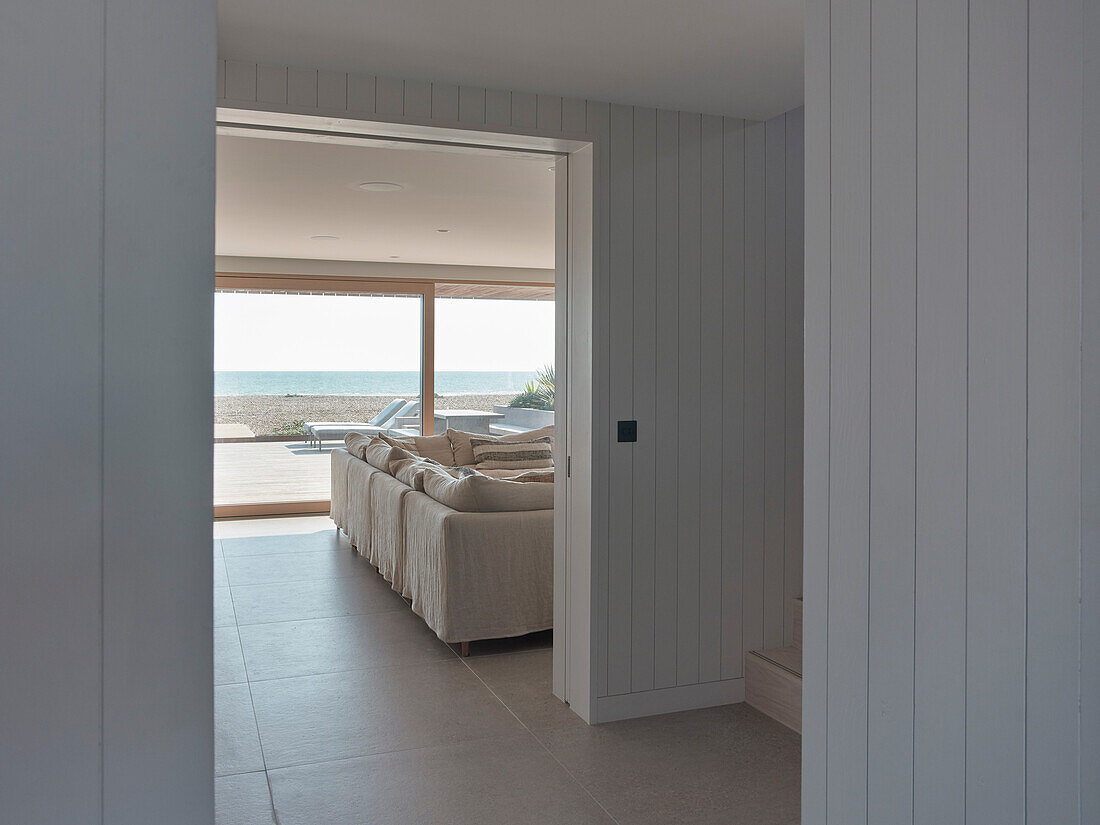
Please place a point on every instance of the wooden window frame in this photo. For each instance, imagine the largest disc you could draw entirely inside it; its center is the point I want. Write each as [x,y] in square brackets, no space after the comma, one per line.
[349,285]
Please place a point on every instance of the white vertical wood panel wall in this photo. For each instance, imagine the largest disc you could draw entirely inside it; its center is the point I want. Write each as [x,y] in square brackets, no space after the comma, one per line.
[106,222]
[944,677]
[698,336]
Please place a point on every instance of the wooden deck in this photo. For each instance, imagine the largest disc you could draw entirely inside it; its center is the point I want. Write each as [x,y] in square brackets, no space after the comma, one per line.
[268,472]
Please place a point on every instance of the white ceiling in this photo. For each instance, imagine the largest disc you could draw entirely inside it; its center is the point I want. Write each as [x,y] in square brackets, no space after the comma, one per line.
[731,57]
[273,194]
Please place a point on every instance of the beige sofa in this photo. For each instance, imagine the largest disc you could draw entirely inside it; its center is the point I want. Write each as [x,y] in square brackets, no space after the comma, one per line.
[472,551]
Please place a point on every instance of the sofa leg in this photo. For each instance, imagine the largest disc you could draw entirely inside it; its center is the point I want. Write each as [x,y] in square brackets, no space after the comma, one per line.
[465,649]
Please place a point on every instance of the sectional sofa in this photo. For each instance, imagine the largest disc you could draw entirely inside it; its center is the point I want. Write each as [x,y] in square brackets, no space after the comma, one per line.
[468,542]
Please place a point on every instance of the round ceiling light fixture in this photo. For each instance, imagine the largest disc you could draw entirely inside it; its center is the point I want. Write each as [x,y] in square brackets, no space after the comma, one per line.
[394,257]
[443,231]
[324,237]
[380,186]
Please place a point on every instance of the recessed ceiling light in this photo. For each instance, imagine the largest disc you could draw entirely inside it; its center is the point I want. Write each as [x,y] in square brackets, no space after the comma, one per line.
[395,256]
[324,237]
[380,186]
[443,231]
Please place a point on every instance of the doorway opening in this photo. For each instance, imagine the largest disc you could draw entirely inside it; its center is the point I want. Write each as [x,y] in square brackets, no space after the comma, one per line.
[387,342]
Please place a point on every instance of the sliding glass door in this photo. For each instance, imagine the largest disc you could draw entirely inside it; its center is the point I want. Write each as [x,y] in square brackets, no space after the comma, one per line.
[494,357]
[297,365]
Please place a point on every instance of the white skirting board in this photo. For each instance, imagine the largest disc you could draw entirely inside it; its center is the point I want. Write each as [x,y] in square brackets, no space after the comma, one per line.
[669,700]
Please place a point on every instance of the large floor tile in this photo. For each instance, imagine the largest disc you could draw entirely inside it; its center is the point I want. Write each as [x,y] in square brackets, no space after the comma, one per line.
[223,608]
[236,741]
[293,567]
[508,781]
[523,681]
[271,526]
[730,765]
[220,577]
[318,599]
[327,539]
[228,658]
[242,799]
[340,715]
[309,647]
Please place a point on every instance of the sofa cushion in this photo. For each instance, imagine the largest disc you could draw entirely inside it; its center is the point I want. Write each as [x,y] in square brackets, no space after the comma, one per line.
[404,442]
[357,443]
[409,471]
[477,493]
[382,455]
[436,447]
[494,454]
[464,451]
[543,476]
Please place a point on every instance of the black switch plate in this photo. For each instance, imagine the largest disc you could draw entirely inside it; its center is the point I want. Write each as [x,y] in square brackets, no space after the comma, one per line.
[628,431]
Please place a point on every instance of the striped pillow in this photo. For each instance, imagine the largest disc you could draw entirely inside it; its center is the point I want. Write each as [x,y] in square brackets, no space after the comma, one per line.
[490,454]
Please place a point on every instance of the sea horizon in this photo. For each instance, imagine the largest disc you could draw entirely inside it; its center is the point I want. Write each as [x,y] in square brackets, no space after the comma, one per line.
[367,383]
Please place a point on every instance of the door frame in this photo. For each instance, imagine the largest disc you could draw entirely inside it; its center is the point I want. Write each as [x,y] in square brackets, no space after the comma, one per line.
[575,231]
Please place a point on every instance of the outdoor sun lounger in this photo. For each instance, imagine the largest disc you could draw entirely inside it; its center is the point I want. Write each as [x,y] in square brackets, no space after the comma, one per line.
[382,417]
[329,432]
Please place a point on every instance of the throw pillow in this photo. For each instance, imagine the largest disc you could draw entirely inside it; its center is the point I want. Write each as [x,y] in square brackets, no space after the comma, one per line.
[464,452]
[514,455]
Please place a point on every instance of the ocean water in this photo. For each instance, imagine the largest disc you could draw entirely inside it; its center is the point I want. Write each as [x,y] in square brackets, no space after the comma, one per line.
[366,383]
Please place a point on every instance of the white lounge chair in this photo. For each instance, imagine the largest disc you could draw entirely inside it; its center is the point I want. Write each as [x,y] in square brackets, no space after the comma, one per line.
[331,432]
[382,417]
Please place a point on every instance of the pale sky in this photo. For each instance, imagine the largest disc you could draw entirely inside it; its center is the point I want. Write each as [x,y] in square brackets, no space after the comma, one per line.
[306,333]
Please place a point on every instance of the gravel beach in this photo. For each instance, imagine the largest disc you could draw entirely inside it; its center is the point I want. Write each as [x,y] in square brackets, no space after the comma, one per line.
[277,414]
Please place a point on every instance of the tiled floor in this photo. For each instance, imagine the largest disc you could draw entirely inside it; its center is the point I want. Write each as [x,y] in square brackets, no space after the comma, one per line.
[335,705]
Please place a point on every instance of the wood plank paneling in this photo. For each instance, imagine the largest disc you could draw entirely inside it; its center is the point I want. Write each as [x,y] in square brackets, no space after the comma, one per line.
[974,653]
[996,494]
[418,99]
[51,605]
[524,110]
[709,419]
[599,122]
[158,339]
[689,388]
[498,107]
[775,308]
[793,373]
[753,439]
[240,80]
[445,102]
[849,481]
[621,330]
[271,84]
[733,392]
[548,113]
[667,448]
[471,105]
[1089,767]
[645,399]
[389,96]
[893,413]
[818,349]
[332,91]
[574,116]
[361,93]
[302,87]
[939,767]
[1054,410]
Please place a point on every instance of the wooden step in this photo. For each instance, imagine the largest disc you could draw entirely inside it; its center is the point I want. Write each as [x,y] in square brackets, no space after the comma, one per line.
[773,684]
[798,623]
